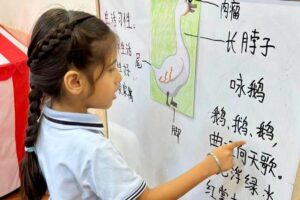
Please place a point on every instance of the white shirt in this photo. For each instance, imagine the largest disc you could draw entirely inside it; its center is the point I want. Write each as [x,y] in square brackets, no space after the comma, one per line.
[78,162]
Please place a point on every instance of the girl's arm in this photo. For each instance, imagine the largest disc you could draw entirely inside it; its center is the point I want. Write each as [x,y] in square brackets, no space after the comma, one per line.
[177,187]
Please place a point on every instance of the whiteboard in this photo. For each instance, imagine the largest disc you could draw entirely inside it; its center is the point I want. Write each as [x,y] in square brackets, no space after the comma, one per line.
[265,113]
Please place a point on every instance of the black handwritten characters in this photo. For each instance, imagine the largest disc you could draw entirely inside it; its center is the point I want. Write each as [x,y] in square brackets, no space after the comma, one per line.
[254,90]
[262,162]
[119,19]
[249,41]
[229,9]
[263,131]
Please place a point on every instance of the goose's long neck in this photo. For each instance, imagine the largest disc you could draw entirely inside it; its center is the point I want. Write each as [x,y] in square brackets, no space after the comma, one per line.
[181,49]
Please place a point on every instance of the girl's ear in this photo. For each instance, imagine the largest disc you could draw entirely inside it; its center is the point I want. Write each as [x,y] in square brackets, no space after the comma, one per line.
[73,82]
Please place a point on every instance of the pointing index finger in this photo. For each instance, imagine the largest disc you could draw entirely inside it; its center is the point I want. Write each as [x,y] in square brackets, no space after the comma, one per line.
[237,144]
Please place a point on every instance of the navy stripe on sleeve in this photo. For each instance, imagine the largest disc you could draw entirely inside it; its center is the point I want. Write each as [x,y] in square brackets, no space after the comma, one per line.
[138,192]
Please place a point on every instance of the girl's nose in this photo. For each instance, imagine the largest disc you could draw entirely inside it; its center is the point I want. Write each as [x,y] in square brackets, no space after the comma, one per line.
[120,77]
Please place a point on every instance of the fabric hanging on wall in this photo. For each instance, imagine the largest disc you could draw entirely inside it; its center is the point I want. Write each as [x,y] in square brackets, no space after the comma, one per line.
[14,88]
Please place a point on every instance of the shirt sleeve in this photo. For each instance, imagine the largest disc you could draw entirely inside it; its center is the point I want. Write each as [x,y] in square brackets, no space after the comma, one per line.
[110,175]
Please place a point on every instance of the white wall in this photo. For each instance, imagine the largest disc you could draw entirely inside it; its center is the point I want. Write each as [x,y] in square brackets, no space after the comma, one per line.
[21,14]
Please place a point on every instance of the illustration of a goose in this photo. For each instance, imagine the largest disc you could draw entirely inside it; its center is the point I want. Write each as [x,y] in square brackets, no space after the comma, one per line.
[175,70]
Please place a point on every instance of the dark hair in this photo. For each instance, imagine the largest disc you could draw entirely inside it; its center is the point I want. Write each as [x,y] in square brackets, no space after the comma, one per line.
[60,39]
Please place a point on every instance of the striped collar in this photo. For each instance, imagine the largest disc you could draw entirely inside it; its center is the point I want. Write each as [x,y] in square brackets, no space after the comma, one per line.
[69,120]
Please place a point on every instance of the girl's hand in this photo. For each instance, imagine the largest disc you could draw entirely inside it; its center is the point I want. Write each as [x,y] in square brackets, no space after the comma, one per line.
[223,156]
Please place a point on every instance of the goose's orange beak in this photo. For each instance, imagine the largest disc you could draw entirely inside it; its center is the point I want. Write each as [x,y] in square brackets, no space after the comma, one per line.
[190,8]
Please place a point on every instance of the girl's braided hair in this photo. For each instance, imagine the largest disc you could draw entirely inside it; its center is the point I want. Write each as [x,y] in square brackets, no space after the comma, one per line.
[61,39]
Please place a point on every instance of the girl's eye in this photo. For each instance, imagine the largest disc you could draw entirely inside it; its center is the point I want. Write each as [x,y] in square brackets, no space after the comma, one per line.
[112,69]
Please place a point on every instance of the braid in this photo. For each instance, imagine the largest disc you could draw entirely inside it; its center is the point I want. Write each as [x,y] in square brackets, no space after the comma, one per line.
[33,116]
[35,185]
[63,32]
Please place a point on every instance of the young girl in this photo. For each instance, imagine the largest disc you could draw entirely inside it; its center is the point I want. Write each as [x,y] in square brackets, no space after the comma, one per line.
[72,59]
